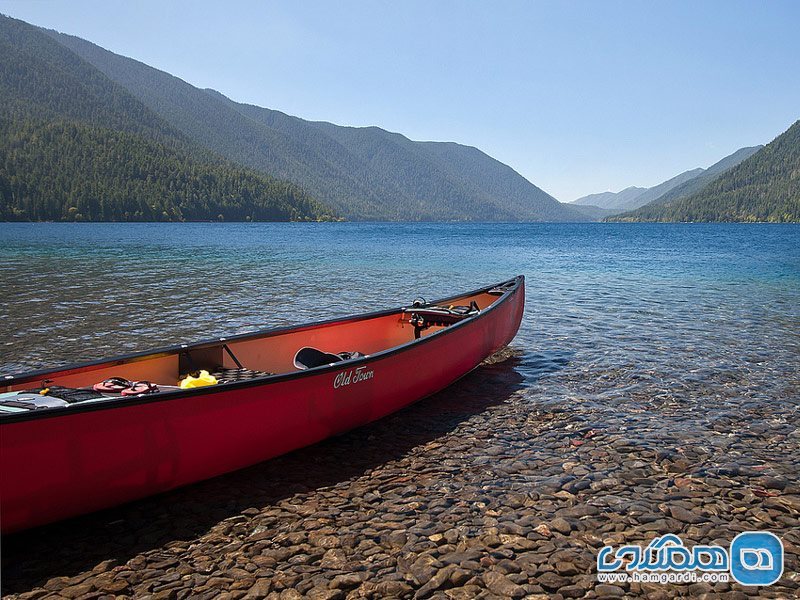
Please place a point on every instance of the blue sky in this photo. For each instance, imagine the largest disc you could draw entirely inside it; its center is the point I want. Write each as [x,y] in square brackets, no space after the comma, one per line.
[579,97]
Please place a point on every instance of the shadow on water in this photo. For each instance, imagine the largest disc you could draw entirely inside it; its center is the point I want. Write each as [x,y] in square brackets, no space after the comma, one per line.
[72,547]
[533,365]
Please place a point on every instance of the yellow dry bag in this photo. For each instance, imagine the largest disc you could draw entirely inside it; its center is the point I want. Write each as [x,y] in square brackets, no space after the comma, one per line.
[203,378]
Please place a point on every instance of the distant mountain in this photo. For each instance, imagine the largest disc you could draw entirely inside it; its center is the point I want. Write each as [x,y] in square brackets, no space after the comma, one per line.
[364,173]
[680,186]
[595,213]
[75,146]
[695,184]
[763,187]
[662,188]
[634,197]
[612,200]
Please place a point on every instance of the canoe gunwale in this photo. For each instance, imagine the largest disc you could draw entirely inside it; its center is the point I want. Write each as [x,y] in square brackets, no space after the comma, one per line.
[511,286]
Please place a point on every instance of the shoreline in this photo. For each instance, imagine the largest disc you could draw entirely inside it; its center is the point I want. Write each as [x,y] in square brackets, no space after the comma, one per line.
[484,490]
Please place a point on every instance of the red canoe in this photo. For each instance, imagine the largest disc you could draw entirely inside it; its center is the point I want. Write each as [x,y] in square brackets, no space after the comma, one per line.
[66,450]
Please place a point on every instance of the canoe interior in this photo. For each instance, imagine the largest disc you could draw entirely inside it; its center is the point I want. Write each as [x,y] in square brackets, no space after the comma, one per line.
[269,351]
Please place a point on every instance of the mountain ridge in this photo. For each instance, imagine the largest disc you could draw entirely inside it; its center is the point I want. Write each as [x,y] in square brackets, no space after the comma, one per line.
[633,197]
[695,184]
[681,185]
[763,187]
[74,145]
[365,173]
[657,190]
[609,199]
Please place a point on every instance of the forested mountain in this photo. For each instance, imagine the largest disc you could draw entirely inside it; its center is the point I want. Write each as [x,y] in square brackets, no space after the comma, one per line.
[86,134]
[491,178]
[365,173]
[680,186]
[74,145]
[764,187]
[596,213]
[40,79]
[662,188]
[634,197]
[614,200]
[65,170]
[696,184]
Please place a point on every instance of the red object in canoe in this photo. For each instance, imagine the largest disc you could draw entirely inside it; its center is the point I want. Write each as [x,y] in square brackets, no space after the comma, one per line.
[61,462]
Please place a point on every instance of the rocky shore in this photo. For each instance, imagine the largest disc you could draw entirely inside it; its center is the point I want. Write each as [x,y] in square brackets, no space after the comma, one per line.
[496,488]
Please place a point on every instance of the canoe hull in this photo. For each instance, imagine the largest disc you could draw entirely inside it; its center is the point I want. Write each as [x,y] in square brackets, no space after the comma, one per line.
[68,465]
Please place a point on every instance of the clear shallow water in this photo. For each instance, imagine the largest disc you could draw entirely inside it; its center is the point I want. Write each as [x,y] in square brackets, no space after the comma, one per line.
[616,314]
[656,364]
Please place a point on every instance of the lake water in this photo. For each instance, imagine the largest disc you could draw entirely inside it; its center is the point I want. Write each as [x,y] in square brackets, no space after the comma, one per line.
[656,365]
[616,313]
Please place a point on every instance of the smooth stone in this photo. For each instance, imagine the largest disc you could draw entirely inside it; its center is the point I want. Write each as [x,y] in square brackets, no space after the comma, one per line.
[347,581]
[566,568]
[323,593]
[572,591]
[335,558]
[438,581]
[605,589]
[551,581]
[499,584]
[561,525]
[259,589]
[686,516]
[457,558]
[74,591]
[467,592]
[397,589]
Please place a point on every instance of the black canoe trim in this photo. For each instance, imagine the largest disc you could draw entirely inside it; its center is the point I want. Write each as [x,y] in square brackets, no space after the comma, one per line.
[166,396]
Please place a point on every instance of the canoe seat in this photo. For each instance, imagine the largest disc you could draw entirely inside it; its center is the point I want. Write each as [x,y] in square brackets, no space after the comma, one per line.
[53,397]
[308,357]
[23,401]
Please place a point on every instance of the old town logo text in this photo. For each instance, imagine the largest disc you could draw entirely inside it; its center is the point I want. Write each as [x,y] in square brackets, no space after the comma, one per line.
[350,377]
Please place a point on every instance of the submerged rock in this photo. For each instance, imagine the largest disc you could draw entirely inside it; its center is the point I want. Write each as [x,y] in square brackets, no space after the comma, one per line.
[477,492]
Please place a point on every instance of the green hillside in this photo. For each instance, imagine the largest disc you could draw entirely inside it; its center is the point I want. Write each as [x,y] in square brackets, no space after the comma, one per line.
[611,200]
[73,172]
[74,145]
[40,79]
[365,173]
[696,184]
[654,192]
[764,187]
[680,186]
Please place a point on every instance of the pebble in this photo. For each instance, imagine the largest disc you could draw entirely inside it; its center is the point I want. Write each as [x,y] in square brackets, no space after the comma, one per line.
[502,586]
[476,492]
[604,589]
[561,525]
[686,516]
